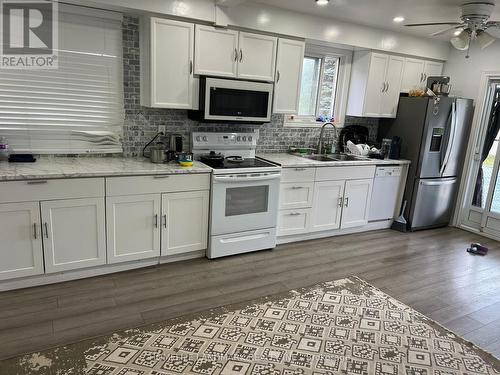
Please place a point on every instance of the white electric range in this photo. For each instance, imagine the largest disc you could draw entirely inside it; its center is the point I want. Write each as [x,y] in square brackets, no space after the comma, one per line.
[245,193]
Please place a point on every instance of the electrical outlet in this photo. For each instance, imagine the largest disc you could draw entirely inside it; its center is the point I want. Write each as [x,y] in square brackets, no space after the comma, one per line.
[162,129]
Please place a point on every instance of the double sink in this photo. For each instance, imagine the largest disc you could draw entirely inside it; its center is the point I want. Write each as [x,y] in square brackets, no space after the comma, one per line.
[333,157]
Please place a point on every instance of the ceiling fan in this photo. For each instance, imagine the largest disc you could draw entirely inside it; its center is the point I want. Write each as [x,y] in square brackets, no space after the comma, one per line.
[472,27]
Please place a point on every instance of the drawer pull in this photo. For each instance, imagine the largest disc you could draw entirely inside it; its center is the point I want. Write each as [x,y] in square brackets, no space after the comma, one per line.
[41,182]
[294,213]
[297,187]
[160,177]
[300,169]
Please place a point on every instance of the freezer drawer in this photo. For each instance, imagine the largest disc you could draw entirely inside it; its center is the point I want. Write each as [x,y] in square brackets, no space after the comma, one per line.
[433,202]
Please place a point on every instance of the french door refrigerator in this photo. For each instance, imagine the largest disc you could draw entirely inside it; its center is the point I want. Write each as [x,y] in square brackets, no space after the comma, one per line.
[434,134]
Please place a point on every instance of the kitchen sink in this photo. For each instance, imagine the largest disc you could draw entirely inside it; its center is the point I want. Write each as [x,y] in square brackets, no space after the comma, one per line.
[320,158]
[335,157]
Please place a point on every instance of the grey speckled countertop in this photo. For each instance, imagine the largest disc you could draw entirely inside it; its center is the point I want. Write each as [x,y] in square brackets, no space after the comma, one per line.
[292,161]
[67,167]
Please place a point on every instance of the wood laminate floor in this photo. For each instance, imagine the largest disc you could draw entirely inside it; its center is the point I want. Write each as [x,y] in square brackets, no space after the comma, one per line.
[428,270]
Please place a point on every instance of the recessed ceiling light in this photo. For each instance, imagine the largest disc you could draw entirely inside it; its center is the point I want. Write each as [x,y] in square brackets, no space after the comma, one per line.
[398,19]
[322,2]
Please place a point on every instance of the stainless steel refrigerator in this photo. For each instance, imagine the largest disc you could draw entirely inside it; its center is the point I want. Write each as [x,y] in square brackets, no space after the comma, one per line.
[434,134]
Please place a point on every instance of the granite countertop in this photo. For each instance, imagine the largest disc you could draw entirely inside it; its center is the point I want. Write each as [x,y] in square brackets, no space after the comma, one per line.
[292,161]
[68,167]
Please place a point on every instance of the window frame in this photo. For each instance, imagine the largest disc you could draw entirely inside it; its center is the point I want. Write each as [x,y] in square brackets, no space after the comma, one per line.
[341,86]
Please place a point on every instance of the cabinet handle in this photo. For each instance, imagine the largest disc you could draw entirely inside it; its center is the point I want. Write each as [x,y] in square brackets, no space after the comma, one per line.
[278,76]
[297,187]
[165,221]
[383,87]
[347,202]
[160,177]
[156,221]
[37,182]
[34,231]
[425,77]
[241,55]
[46,230]
[294,213]
[387,88]
[341,201]
[235,55]
[191,67]
[300,169]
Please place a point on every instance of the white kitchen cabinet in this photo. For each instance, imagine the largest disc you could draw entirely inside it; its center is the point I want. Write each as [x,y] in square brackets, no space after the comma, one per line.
[216,51]
[20,240]
[133,227]
[375,84]
[327,206]
[184,222]
[356,202]
[416,72]
[257,59]
[167,53]
[73,233]
[289,63]
[292,222]
[296,195]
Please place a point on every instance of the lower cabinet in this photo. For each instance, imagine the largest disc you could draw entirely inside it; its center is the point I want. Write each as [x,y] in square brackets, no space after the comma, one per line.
[293,221]
[184,222]
[133,226]
[20,240]
[327,206]
[73,233]
[357,198]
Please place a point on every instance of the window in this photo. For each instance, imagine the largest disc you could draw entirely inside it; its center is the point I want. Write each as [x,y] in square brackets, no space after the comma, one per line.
[323,91]
[77,108]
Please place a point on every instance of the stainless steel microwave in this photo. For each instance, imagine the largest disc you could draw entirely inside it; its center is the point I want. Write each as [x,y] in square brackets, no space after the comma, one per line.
[228,100]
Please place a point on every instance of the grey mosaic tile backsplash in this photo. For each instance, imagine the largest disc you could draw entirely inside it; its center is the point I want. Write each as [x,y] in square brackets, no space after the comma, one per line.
[141,123]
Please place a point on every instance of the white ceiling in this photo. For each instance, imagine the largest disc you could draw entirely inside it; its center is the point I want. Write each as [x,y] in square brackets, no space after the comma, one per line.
[379,13]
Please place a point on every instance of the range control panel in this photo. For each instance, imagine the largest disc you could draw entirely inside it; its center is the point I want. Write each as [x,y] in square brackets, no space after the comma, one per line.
[236,140]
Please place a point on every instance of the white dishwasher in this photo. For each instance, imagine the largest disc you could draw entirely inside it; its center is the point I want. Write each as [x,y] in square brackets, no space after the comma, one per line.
[385,193]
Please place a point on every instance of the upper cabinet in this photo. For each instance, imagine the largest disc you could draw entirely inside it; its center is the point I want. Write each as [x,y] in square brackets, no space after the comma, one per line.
[417,71]
[229,53]
[375,84]
[167,52]
[288,76]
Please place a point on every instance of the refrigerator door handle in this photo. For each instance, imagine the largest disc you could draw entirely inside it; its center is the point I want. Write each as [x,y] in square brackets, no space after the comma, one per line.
[449,148]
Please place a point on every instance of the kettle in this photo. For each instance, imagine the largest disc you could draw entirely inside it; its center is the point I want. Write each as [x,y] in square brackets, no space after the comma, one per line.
[157,152]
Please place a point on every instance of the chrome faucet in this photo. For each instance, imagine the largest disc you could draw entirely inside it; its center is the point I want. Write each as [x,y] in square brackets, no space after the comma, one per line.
[319,150]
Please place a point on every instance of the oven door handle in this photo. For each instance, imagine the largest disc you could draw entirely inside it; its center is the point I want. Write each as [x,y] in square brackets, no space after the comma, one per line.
[247,179]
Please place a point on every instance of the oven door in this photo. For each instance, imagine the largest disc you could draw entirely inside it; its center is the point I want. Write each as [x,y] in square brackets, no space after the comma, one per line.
[244,202]
[230,100]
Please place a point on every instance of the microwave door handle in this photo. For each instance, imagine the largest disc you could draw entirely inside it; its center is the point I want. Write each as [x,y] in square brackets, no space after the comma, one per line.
[246,179]
[451,142]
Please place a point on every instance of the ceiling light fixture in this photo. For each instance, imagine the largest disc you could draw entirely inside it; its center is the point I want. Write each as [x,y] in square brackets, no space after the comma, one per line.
[458,32]
[484,39]
[462,40]
[322,2]
[398,19]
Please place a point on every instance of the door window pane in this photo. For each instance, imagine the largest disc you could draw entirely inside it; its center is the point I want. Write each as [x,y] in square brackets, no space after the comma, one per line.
[247,200]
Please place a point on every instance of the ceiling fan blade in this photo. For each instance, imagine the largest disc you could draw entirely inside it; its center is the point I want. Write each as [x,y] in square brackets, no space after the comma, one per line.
[434,24]
[447,29]
[493,24]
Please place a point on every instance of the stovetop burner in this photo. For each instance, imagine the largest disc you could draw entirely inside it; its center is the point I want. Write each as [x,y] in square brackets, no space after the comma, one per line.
[229,163]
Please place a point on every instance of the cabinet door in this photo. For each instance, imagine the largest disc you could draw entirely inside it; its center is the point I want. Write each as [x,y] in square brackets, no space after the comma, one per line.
[390,98]
[73,233]
[327,206]
[376,84]
[216,51]
[20,238]
[172,49]
[432,69]
[133,227]
[296,195]
[292,222]
[184,222]
[257,60]
[356,203]
[288,76]
[413,74]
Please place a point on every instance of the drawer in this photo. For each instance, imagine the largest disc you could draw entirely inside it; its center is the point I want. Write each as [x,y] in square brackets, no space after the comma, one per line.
[345,173]
[293,221]
[296,195]
[116,186]
[298,174]
[39,190]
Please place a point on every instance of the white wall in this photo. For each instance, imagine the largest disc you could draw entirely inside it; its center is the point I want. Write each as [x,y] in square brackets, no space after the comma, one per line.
[466,73]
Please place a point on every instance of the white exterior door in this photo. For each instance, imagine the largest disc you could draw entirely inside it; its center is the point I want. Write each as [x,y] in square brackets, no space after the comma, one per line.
[390,98]
[133,224]
[356,203]
[184,222]
[289,62]
[327,206]
[413,75]
[376,84]
[257,60]
[216,51]
[432,69]
[73,233]
[172,50]
[21,241]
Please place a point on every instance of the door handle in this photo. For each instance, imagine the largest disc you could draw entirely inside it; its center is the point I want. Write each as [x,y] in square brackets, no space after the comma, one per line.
[156,221]
[347,202]
[165,221]
[241,55]
[46,230]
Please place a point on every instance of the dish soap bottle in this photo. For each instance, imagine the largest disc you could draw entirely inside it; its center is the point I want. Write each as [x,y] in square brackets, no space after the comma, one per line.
[4,149]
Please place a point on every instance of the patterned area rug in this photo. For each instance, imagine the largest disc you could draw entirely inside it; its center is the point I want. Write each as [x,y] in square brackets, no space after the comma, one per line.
[340,327]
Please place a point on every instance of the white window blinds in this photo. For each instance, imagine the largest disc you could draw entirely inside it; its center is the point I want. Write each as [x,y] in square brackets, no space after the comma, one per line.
[78,107]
